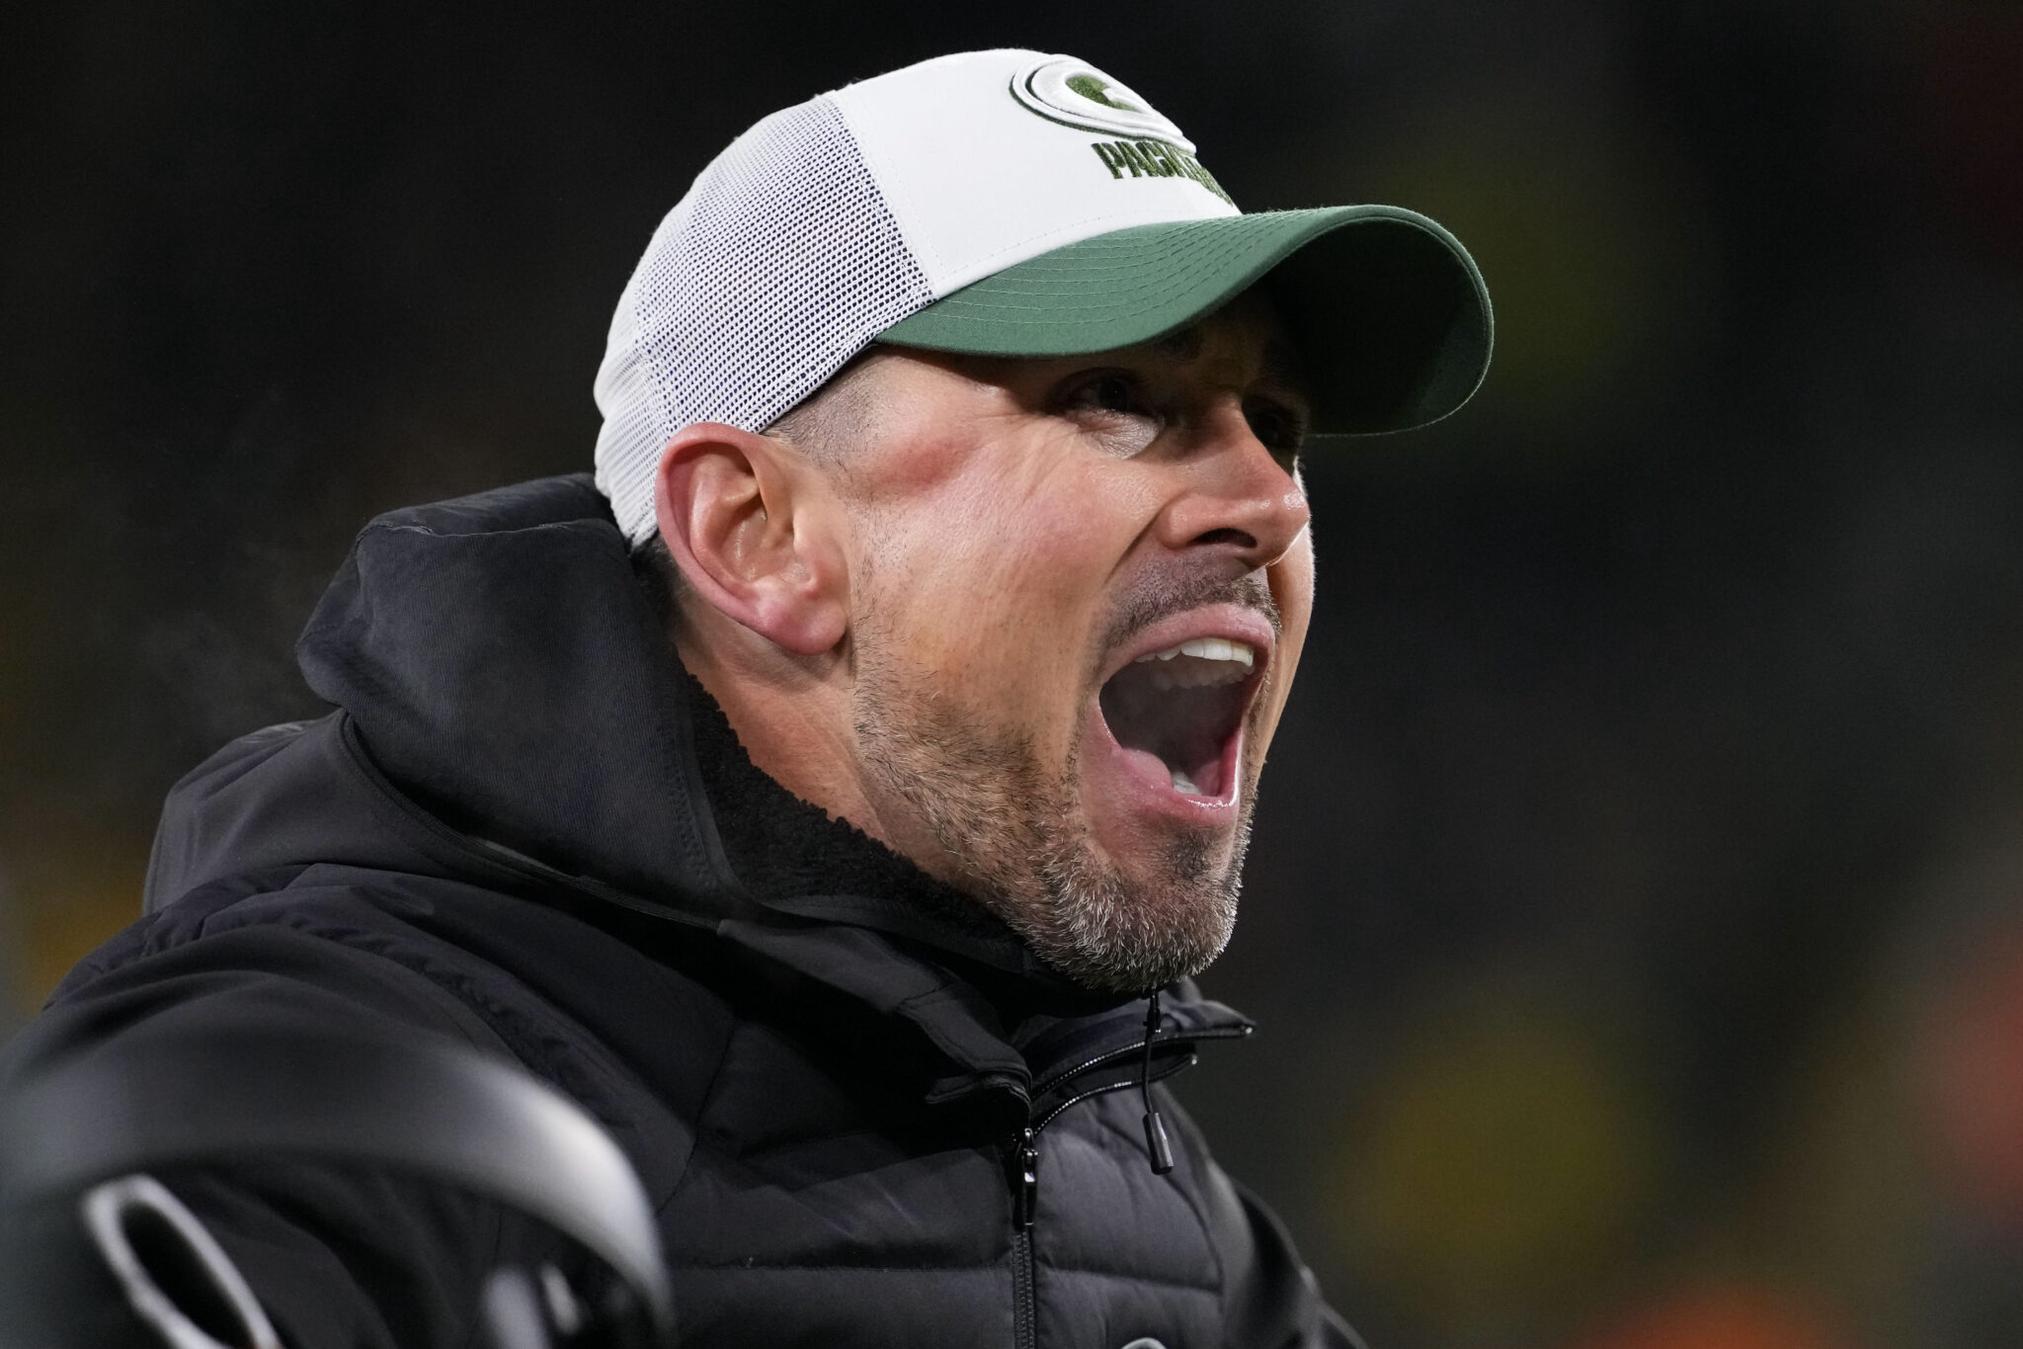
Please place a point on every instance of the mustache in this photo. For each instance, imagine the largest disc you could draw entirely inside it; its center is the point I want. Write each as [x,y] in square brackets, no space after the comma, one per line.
[1156,595]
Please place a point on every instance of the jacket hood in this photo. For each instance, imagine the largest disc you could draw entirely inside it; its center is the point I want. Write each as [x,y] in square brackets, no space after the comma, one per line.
[504,669]
[501,688]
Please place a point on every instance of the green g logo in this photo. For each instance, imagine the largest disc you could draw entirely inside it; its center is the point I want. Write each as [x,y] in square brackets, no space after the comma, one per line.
[1099,90]
[1062,89]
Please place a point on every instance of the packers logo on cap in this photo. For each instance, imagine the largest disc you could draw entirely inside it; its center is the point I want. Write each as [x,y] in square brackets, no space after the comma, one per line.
[1062,89]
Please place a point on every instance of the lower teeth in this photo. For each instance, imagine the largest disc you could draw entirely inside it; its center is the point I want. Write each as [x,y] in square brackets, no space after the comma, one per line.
[1182,782]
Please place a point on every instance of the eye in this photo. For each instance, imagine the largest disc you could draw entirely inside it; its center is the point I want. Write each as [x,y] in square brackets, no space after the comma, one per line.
[1281,429]
[1107,391]
[1115,407]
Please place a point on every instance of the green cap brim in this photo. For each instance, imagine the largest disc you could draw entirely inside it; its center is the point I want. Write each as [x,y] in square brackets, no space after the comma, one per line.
[1388,311]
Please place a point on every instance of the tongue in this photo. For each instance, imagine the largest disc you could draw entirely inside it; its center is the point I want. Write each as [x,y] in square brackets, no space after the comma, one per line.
[1147,765]
[1143,763]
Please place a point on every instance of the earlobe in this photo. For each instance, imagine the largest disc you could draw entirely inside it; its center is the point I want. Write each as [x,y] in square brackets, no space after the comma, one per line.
[747,525]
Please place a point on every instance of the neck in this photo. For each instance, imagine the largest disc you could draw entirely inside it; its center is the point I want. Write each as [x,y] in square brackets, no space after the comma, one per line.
[793,722]
[783,845]
[794,719]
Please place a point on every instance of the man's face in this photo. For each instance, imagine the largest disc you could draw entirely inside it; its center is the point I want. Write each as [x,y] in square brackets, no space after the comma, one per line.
[1079,590]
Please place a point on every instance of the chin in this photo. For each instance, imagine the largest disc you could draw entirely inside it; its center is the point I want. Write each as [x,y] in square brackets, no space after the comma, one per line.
[1140,905]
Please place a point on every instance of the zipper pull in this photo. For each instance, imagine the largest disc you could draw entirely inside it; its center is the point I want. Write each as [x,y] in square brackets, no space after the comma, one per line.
[1157,1149]
[1026,1180]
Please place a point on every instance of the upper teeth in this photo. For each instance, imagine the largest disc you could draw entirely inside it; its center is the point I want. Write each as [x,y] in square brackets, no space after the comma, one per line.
[1217,660]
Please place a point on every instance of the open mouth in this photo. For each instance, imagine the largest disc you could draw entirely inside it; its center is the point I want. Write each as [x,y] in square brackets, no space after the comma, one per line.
[1183,707]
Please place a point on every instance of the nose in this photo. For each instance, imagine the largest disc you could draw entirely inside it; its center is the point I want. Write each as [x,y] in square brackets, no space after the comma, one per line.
[1233,493]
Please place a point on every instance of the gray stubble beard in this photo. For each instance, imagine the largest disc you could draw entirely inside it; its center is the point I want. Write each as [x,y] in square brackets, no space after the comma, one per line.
[1015,837]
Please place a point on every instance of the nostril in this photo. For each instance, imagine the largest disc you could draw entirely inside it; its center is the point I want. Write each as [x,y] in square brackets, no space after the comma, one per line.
[1230,536]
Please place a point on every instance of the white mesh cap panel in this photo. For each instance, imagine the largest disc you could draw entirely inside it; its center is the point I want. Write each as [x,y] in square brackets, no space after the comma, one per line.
[781,263]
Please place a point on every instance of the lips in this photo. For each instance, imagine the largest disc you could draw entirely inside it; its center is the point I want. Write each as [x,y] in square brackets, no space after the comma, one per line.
[1172,711]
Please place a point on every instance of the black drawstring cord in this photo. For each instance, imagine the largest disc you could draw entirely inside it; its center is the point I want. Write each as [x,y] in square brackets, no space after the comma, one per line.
[1156,1146]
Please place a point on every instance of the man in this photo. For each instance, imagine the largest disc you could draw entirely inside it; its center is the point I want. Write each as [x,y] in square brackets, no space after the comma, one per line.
[836,797]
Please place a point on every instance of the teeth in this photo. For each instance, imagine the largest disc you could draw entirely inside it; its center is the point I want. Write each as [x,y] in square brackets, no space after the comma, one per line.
[1217,648]
[1215,660]
[1181,782]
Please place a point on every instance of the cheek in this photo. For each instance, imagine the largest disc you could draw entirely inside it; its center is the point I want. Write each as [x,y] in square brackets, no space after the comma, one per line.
[994,583]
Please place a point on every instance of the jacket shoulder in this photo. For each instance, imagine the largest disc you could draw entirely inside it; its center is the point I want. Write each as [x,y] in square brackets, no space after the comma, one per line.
[632,1039]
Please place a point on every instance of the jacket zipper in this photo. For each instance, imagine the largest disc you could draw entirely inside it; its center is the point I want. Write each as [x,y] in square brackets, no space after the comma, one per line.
[1025,1168]
[1025,1198]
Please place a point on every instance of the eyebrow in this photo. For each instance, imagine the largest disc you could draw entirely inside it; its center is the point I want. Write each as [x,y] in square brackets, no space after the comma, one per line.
[1280,367]
[1182,344]
[1283,367]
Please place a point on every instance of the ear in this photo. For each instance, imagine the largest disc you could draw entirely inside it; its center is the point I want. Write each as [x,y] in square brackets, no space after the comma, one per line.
[751,527]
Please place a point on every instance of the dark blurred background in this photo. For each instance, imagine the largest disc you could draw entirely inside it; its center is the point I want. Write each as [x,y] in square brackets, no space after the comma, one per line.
[1636,911]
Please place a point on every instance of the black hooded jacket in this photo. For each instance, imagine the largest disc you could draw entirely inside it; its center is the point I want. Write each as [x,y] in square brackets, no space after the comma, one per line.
[825,1068]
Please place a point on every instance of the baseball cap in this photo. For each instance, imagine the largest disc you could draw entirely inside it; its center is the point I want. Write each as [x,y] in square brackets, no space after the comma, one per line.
[1010,203]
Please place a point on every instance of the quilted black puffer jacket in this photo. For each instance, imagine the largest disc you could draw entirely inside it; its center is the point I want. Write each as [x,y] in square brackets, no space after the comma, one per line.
[863,1113]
